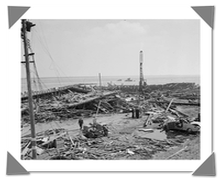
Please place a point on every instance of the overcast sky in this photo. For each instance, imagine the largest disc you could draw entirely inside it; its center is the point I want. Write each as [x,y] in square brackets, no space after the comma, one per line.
[111,47]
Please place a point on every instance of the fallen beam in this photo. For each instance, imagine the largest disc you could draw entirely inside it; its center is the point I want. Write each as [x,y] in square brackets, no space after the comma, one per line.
[185,115]
[54,91]
[175,103]
[91,99]
[169,105]
[176,153]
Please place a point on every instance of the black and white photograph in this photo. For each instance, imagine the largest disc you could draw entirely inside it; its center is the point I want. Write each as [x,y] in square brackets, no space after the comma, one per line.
[104,91]
[110,89]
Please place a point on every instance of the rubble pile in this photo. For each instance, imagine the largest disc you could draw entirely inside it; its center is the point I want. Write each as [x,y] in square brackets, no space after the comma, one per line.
[172,89]
[72,105]
[75,104]
[104,148]
[130,138]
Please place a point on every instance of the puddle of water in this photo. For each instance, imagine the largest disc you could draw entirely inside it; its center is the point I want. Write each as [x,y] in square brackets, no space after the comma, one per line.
[157,135]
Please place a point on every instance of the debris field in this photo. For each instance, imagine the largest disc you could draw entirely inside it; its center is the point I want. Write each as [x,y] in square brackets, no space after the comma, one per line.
[118,123]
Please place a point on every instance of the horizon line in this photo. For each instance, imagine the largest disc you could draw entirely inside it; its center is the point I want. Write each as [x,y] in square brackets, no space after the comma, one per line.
[195,75]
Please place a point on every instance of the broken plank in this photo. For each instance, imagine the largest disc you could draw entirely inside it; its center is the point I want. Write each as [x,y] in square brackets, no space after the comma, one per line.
[53,138]
[91,99]
[169,105]
[177,152]
[26,149]
[174,112]
[175,103]
[180,112]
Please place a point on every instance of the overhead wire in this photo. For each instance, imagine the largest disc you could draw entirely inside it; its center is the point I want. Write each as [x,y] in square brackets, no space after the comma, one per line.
[47,51]
[35,67]
[32,72]
[36,77]
[53,65]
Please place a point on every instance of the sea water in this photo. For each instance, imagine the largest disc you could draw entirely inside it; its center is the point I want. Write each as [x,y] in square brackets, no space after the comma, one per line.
[51,82]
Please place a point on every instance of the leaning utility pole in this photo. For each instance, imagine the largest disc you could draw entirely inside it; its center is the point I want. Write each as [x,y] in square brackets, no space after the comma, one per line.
[26,26]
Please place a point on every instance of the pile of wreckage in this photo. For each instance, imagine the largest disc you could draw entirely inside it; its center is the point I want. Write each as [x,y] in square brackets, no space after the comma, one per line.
[58,144]
[158,109]
[73,105]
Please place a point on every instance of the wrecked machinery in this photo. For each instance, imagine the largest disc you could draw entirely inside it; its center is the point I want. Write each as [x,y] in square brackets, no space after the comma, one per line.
[95,130]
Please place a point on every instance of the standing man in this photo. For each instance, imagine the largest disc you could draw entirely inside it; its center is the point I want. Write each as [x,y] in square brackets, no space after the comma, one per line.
[80,122]
[132,112]
[137,113]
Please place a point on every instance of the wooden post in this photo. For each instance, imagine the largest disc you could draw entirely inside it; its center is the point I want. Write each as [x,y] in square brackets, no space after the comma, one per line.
[169,105]
[30,100]
[100,80]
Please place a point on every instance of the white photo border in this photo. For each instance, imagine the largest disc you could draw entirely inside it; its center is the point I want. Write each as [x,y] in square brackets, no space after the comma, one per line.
[93,12]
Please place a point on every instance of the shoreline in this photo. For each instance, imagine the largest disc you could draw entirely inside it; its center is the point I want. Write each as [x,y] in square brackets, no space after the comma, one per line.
[124,76]
[52,82]
[85,87]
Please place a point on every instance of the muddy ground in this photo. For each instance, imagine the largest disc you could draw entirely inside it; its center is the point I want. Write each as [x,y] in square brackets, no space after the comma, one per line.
[127,139]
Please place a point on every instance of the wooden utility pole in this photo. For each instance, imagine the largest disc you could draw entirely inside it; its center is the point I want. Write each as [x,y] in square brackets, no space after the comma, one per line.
[30,100]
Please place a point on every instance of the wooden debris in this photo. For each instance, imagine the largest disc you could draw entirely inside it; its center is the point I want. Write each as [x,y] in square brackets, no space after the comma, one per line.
[157,100]
[146,130]
[52,138]
[169,105]
[177,152]
[25,150]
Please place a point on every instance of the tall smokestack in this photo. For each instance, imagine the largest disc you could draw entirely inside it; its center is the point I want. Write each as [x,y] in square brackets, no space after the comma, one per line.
[141,56]
[141,71]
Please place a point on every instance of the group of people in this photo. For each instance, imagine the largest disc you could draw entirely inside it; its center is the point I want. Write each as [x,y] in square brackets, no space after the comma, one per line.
[136,113]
